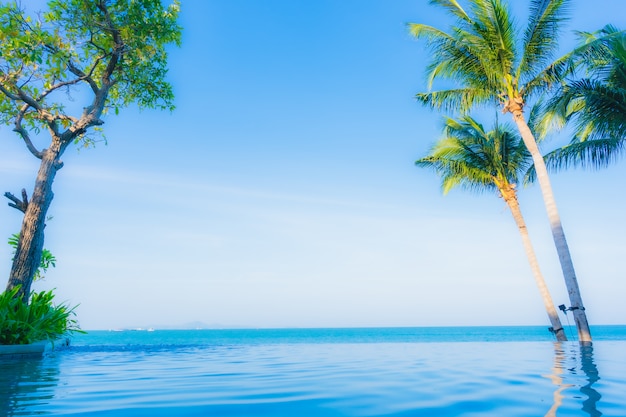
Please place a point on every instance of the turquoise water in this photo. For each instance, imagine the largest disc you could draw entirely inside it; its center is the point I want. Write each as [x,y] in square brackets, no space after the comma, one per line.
[476,371]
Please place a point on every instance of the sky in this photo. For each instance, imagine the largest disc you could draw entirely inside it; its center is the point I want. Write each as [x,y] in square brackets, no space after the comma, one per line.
[282,191]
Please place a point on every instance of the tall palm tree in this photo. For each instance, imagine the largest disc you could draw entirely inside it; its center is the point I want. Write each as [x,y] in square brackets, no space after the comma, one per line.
[489,64]
[469,157]
[594,105]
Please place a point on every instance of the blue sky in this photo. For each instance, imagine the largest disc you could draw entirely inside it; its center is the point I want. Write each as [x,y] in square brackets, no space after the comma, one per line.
[281,192]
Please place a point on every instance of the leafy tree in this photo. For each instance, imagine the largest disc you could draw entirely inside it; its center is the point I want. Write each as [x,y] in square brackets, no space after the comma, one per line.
[488,63]
[469,157]
[110,53]
[594,105]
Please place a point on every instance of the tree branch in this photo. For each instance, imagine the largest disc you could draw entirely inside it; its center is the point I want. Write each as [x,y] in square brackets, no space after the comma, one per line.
[118,49]
[85,77]
[22,204]
[21,95]
[74,70]
[24,133]
[48,117]
[94,44]
[8,93]
[59,85]
[20,116]
[91,113]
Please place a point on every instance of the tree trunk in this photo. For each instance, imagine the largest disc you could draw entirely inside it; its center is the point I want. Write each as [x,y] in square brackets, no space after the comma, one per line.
[567,266]
[30,246]
[510,197]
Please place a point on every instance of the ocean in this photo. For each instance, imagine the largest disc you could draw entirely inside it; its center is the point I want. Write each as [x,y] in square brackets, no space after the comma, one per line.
[428,371]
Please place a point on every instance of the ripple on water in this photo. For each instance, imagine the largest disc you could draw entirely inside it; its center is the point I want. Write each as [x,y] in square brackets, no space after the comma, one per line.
[340,379]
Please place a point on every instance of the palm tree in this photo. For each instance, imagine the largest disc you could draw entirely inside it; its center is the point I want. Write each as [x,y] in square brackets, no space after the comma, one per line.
[469,157]
[594,105]
[490,64]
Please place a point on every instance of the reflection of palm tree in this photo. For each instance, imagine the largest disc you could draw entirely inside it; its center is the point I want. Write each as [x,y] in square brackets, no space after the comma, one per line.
[491,64]
[591,372]
[557,379]
[560,380]
[468,156]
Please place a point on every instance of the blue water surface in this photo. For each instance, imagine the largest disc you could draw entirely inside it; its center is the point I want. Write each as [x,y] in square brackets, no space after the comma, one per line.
[477,371]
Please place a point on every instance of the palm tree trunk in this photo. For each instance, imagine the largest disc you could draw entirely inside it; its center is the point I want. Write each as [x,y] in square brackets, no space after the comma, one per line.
[510,197]
[30,245]
[567,266]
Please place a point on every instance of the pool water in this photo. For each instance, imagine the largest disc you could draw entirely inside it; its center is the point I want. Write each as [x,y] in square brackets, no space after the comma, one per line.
[316,373]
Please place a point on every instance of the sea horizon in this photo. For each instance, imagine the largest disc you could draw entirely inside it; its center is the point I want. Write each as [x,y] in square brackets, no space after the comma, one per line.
[335,335]
[250,327]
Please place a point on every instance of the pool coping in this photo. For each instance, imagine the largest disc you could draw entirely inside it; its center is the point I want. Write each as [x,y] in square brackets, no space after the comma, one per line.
[37,349]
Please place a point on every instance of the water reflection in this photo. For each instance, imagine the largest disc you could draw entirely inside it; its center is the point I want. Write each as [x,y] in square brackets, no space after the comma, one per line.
[569,360]
[591,373]
[557,379]
[26,382]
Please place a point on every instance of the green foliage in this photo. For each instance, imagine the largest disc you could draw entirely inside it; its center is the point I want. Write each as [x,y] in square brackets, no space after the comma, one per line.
[594,106]
[39,320]
[485,57]
[47,258]
[468,156]
[114,49]
[145,27]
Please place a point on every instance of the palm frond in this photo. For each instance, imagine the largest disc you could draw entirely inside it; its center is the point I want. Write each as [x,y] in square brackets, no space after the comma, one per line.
[595,49]
[544,118]
[604,108]
[450,56]
[593,107]
[590,154]
[540,40]
[453,7]
[596,105]
[492,41]
[459,57]
[552,75]
[455,100]
[497,29]
[456,173]
[475,53]
[469,157]
[431,33]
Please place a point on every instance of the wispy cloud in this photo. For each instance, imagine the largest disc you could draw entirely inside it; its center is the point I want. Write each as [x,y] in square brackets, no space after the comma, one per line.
[172,182]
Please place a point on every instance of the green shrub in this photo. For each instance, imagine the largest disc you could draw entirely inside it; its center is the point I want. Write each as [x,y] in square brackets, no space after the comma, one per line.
[47,258]
[39,320]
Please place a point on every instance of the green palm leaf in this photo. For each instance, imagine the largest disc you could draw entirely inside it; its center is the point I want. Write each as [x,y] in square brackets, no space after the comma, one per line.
[541,35]
[594,106]
[453,7]
[595,154]
[469,157]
